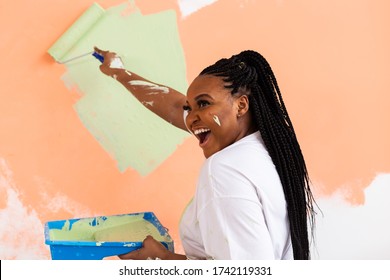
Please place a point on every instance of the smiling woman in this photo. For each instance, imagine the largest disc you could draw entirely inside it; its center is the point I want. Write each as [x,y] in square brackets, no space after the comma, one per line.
[253,199]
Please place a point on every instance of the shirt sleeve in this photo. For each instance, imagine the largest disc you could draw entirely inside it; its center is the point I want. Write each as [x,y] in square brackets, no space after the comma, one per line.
[230,216]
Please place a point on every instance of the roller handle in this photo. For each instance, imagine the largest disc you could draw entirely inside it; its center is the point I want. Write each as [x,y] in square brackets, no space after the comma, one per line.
[98,57]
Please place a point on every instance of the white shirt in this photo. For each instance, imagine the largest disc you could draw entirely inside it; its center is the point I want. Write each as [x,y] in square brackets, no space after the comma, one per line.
[239,210]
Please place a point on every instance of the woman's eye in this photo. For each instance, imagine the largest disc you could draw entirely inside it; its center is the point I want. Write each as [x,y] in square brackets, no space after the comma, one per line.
[203,103]
[186,108]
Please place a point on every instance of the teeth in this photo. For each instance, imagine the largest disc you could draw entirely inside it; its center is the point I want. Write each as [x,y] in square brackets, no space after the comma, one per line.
[202,130]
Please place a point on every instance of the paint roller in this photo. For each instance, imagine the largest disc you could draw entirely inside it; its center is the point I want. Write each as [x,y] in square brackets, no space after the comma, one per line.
[60,49]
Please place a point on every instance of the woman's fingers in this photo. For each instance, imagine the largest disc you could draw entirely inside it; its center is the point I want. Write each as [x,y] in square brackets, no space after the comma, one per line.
[151,248]
[99,51]
[105,54]
[134,255]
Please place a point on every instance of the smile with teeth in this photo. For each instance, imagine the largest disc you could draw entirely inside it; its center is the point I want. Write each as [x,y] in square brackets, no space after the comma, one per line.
[202,134]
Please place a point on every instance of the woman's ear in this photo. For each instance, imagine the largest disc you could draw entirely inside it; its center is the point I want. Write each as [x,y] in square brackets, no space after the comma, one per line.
[242,105]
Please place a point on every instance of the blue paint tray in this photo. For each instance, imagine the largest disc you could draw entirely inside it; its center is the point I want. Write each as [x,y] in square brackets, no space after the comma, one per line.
[95,238]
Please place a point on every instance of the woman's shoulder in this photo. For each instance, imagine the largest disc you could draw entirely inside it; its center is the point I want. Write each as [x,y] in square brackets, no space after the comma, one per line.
[238,170]
[248,149]
[247,159]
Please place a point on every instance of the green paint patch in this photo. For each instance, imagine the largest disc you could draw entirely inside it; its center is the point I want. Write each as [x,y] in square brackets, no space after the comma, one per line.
[112,229]
[149,46]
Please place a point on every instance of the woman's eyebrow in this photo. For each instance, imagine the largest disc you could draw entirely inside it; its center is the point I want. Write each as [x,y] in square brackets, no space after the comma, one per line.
[203,95]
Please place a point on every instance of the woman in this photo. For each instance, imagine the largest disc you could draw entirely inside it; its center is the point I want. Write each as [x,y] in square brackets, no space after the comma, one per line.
[253,199]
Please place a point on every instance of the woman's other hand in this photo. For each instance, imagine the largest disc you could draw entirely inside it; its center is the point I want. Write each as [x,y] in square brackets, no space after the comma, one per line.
[151,248]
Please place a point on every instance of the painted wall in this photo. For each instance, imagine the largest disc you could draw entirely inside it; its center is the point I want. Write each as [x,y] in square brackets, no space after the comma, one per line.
[331,59]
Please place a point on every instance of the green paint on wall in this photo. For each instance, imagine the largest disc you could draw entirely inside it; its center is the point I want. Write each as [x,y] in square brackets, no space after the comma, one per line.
[150,46]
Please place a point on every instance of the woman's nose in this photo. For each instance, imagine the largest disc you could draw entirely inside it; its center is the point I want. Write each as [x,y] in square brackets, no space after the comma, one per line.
[192,118]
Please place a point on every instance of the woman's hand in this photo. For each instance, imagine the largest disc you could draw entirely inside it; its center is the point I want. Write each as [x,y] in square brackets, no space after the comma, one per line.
[151,248]
[111,62]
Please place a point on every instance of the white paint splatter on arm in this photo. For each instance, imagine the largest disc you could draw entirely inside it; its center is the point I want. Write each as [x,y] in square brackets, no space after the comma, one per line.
[153,87]
[148,103]
[116,63]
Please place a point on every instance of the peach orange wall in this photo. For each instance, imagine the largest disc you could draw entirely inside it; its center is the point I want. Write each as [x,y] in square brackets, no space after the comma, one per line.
[332,62]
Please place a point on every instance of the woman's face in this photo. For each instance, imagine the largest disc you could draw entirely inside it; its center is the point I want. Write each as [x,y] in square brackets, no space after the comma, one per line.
[214,114]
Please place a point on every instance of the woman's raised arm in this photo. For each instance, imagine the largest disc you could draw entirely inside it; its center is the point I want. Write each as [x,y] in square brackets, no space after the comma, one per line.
[164,101]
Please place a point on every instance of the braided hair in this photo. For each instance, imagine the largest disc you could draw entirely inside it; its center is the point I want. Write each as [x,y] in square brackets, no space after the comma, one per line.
[249,73]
